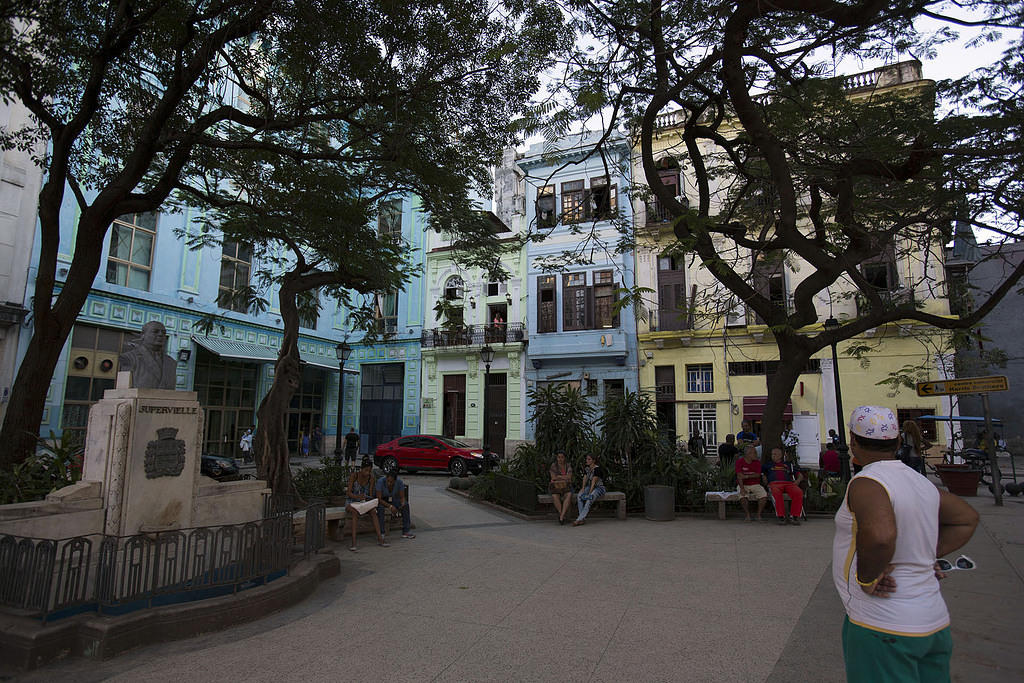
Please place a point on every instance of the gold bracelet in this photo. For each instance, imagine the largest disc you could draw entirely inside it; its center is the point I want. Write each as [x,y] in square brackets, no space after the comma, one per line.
[869,584]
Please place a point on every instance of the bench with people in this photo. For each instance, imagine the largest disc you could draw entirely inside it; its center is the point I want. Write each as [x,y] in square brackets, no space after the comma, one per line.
[776,481]
[592,489]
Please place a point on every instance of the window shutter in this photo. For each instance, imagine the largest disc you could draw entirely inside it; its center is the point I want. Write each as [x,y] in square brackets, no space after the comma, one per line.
[615,300]
[589,322]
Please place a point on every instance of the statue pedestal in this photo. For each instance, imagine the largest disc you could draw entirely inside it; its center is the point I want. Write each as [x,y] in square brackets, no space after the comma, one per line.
[144,445]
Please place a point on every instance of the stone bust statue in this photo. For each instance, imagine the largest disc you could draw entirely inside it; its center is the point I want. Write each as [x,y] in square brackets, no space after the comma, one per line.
[150,366]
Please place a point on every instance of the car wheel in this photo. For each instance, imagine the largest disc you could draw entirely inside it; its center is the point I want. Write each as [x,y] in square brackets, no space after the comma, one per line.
[389,465]
[457,466]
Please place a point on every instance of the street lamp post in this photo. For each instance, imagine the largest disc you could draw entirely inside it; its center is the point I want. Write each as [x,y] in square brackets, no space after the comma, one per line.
[844,451]
[487,356]
[343,351]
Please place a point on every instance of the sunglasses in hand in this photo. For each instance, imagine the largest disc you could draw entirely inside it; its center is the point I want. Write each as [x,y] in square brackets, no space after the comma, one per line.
[963,563]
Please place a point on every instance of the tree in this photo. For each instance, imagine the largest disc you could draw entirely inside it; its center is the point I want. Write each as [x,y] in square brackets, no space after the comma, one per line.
[234,106]
[784,164]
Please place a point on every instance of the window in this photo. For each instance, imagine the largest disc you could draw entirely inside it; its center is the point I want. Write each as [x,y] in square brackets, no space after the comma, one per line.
[604,300]
[496,288]
[769,280]
[227,392]
[702,419]
[546,303]
[927,426]
[387,312]
[669,174]
[671,294]
[665,382]
[761,367]
[389,218]
[700,379]
[454,288]
[309,308]
[235,264]
[614,389]
[603,200]
[546,216]
[130,260]
[575,302]
[572,201]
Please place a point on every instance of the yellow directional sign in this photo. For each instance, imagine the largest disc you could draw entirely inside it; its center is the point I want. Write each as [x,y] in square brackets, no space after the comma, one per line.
[969,385]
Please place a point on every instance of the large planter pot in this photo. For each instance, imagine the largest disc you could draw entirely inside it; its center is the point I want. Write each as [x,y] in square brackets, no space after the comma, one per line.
[660,503]
[960,479]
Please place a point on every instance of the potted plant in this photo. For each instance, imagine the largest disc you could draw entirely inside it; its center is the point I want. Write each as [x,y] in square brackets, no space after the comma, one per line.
[961,479]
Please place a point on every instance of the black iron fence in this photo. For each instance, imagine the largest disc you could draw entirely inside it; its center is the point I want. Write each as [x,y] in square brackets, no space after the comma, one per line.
[475,335]
[118,574]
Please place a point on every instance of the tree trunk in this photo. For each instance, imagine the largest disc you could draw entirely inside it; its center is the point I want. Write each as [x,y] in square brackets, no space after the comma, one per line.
[270,443]
[793,357]
[52,326]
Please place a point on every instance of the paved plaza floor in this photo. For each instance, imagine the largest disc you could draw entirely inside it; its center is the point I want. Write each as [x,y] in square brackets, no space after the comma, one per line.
[482,596]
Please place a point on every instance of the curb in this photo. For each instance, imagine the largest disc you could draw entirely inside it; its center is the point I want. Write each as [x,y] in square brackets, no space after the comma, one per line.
[26,643]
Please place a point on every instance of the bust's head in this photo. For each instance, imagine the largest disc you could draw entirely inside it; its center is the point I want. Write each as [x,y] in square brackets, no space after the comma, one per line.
[154,336]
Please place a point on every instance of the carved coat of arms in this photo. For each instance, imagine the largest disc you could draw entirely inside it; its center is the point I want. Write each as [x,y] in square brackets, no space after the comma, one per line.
[165,456]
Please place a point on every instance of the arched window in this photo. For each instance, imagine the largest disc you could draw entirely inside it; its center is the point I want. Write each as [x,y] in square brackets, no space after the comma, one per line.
[454,288]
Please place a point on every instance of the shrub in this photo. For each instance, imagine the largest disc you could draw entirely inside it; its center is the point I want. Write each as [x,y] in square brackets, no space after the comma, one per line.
[326,481]
[56,464]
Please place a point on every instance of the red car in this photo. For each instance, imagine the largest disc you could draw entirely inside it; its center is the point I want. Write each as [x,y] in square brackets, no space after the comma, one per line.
[429,452]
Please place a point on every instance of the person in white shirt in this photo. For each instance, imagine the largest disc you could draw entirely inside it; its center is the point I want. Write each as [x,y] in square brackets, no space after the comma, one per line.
[889,530]
[246,445]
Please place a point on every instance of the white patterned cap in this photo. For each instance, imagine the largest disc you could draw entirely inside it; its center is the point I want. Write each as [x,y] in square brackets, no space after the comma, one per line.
[874,422]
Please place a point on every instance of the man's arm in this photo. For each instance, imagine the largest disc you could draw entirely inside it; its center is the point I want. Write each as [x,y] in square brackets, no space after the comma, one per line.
[957,522]
[876,527]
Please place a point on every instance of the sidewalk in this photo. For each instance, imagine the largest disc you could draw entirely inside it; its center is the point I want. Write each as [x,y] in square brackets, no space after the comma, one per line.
[482,596]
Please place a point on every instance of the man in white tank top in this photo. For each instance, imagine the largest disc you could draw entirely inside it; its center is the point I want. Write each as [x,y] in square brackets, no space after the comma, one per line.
[889,530]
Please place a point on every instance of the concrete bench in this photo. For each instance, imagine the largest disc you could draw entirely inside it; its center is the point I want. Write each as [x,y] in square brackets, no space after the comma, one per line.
[722,497]
[618,496]
[336,517]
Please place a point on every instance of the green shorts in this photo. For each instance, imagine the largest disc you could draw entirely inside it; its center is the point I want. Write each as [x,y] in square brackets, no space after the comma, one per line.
[879,657]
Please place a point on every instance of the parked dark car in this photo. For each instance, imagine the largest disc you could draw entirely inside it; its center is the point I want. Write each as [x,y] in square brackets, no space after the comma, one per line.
[430,452]
[218,467]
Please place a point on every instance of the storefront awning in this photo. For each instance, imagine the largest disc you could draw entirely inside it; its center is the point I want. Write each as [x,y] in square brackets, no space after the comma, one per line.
[753,408]
[236,350]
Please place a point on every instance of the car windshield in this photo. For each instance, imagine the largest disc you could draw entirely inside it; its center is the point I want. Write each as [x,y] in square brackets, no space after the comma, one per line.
[451,442]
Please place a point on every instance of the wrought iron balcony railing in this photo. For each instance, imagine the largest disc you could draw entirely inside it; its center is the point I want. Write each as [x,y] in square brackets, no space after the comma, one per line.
[475,335]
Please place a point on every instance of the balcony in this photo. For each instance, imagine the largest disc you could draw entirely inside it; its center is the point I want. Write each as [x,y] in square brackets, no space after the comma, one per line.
[891,298]
[667,320]
[474,335]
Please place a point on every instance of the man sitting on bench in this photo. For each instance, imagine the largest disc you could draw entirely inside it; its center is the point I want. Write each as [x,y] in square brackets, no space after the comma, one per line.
[748,476]
[391,494]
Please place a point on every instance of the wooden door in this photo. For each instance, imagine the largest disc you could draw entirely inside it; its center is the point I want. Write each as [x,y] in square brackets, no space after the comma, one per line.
[496,422]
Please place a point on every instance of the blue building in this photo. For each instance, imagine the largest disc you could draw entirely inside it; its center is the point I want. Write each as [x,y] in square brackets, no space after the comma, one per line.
[579,204]
[149,273]
[382,378]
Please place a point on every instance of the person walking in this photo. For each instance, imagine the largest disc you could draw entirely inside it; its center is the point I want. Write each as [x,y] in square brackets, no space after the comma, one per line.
[889,531]
[246,445]
[351,445]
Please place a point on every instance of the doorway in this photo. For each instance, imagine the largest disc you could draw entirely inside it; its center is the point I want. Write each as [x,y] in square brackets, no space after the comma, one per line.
[454,415]
[496,420]
[380,406]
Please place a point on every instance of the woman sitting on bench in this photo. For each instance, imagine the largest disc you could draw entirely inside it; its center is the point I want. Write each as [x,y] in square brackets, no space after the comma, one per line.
[591,489]
[560,486]
[359,502]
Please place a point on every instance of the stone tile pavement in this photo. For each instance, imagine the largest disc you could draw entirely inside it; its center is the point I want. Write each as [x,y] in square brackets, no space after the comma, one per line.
[481,596]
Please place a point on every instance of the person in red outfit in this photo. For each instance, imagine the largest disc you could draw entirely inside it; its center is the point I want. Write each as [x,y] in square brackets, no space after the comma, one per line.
[748,477]
[784,478]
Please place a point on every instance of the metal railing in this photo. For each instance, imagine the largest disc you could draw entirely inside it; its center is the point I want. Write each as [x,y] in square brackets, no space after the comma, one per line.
[118,574]
[475,335]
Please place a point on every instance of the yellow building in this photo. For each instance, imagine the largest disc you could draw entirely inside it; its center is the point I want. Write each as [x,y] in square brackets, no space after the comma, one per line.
[707,358]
